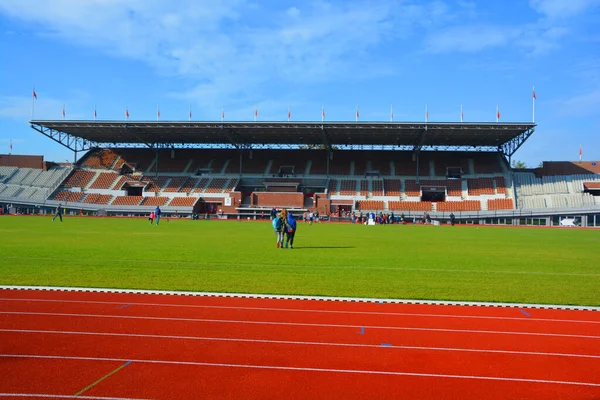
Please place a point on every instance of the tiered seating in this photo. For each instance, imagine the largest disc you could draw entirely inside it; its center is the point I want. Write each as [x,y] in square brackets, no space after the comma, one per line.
[364,187]
[480,186]
[155,183]
[377,188]
[486,163]
[100,159]
[127,200]
[140,159]
[500,185]
[201,185]
[79,179]
[340,165]
[391,187]
[6,172]
[32,176]
[154,201]
[466,205]
[97,198]
[409,205]
[348,187]
[412,189]
[188,185]
[104,181]
[231,185]
[370,205]
[183,201]
[289,158]
[176,183]
[216,185]
[332,187]
[451,159]
[500,204]
[68,197]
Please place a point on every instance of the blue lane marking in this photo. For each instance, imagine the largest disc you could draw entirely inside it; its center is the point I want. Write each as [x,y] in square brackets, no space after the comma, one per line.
[126,305]
[526,313]
[386,344]
[127,363]
[362,331]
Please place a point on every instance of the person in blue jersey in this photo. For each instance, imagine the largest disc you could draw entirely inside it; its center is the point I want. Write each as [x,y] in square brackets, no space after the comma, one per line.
[157,214]
[290,231]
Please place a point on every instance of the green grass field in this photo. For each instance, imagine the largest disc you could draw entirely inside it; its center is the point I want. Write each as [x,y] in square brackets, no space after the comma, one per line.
[498,264]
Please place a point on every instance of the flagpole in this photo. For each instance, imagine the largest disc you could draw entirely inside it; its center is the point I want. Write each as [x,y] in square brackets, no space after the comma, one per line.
[580,153]
[357,113]
[222,113]
[461,114]
[190,113]
[63,112]
[391,113]
[497,117]
[322,113]
[533,107]
[94,112]
[426,113]
[289,113]
[33,103]
[255,113]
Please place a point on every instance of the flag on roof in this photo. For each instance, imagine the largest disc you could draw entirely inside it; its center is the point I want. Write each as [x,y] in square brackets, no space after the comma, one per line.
[34,94]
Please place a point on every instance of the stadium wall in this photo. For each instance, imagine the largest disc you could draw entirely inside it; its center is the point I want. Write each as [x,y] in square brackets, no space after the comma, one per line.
[11,160]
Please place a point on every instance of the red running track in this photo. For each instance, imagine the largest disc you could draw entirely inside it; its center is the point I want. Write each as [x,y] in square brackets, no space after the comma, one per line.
[115,345]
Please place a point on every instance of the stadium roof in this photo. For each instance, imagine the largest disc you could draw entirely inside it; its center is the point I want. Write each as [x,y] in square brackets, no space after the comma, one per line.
[82,135]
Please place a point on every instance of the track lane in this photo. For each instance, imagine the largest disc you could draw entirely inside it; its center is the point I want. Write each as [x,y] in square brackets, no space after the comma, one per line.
[341,334]
[325,383]
[308,356]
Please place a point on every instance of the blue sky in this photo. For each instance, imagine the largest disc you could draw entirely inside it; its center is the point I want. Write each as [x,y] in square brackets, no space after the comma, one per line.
[239,54]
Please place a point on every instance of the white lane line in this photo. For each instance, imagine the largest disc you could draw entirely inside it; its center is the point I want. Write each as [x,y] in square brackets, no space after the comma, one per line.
[297,297]
[298,310]
[62,396]
[283,265]
[309,369]
[301,343]
[231,321]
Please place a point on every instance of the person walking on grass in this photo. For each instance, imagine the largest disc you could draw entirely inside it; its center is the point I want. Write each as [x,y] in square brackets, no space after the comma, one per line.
[280,225]
[290,231]
[59,213]
[157,214]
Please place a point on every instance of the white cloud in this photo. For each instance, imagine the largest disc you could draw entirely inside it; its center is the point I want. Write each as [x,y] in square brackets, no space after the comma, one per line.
[223,48]
[586,104]
[468,39]
[559,9]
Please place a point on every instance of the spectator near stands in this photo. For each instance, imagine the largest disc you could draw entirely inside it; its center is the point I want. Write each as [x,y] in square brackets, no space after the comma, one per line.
[157,213]
[59,213]
[452,218]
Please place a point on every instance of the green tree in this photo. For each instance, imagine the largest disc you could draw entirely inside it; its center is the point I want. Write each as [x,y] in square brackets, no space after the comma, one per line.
[518,164]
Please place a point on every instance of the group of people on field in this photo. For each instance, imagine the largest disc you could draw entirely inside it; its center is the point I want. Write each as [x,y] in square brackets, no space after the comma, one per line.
[284,225]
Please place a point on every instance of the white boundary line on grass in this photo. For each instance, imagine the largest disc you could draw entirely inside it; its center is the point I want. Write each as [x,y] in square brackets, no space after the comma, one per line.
[309,369]
[293,297]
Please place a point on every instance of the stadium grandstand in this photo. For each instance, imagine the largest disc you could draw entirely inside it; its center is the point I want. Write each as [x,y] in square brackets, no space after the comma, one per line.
[240,169]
